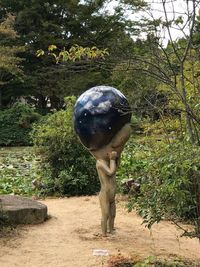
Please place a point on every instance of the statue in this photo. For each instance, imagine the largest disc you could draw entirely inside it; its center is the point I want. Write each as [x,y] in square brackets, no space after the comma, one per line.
[102,122]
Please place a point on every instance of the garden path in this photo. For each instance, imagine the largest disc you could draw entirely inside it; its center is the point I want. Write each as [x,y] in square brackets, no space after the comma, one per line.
[70,236]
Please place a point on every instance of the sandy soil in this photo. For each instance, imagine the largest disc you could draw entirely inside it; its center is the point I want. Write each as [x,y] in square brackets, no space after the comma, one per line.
[68,238]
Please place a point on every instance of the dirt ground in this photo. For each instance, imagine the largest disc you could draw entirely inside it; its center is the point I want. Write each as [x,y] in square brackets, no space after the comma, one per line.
[70,236]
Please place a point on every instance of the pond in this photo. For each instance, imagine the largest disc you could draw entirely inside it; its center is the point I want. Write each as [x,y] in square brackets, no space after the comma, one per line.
[17,170]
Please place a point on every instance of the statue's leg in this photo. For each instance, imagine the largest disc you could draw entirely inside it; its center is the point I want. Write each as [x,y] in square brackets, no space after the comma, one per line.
[104,203]
[112,216]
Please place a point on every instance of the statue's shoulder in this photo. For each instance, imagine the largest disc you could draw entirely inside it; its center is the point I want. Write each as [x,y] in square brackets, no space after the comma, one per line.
[100,163]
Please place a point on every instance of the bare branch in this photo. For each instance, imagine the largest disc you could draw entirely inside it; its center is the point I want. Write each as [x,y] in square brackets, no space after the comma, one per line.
[169,32]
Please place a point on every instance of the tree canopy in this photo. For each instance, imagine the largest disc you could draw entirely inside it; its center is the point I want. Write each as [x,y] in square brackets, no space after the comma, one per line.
[9,59]
[64,24]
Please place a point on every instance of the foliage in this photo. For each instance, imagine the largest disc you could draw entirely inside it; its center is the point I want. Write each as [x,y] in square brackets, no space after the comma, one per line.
[131,163]
[120,261]
[168,127]
[9,60]
[174,262]
[64,24]
[16,175]
[17,171]
[140,88]
[15,125]
[76,52]
[151,261]
[160,80]
[169,177]
[69,168]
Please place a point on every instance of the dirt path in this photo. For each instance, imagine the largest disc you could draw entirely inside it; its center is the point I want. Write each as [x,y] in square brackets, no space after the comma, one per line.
[68,240]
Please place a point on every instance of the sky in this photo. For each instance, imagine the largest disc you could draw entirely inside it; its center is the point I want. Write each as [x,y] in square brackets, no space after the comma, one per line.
[174,8]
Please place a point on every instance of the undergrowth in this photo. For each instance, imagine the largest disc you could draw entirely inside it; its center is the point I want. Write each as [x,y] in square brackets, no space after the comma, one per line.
[151,261]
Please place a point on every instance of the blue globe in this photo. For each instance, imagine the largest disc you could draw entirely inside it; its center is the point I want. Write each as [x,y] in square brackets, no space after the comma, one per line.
[99,113]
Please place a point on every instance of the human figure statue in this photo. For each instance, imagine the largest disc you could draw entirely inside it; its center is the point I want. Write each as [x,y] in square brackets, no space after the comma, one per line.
[102,118]
[108,160]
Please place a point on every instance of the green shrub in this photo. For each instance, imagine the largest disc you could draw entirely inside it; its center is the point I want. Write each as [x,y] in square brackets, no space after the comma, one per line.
[15,125]
[68,167]
[169,175]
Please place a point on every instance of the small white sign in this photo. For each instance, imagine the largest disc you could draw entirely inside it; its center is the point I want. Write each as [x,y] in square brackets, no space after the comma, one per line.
[100,252]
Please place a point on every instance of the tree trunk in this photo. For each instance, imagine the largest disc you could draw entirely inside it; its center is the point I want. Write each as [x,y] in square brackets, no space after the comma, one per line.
[187,108]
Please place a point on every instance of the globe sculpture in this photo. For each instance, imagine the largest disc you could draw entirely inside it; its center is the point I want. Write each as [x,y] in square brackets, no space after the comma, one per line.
[99,114]
[102,122]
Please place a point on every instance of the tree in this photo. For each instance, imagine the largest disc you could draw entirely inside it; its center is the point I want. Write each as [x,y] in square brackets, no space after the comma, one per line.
[169,64]
[9,60]
[64,24]
[175,66]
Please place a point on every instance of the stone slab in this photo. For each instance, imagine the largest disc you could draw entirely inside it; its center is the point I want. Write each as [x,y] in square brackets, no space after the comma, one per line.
[22,210]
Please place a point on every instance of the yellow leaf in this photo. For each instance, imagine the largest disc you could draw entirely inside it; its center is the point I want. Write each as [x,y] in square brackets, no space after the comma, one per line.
[40,53]
[52,47]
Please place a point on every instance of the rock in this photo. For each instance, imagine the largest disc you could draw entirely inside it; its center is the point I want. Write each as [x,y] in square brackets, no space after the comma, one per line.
[22,210]
[99,114]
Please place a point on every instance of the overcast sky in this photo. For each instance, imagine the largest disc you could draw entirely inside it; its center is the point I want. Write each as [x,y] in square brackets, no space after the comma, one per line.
[174,8]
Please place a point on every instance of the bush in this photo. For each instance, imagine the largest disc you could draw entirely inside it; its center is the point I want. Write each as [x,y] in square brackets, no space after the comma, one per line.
[16,124]
[67,165]
[169,175]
